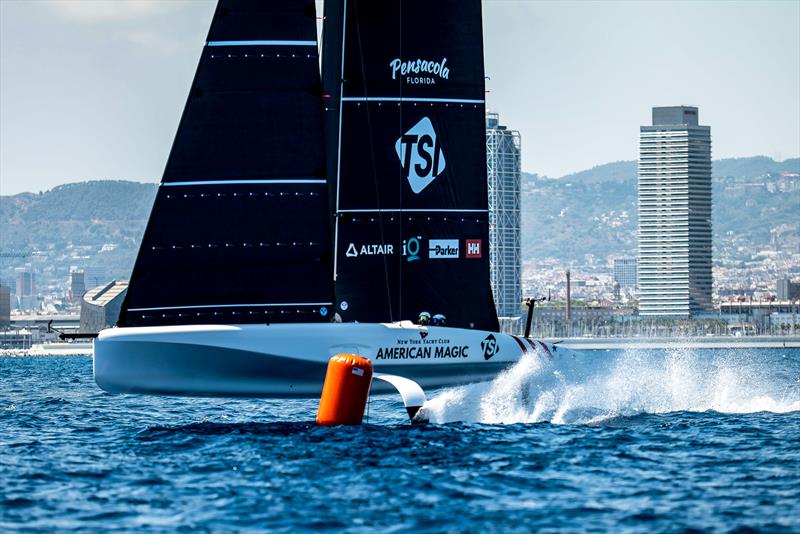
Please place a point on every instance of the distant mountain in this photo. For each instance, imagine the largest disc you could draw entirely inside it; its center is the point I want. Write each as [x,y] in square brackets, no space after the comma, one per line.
[626,171]
[68,226]
[570,218]
[100,223]
[106,203]
[102,199]
[593,212]
[617,172]
[753,167]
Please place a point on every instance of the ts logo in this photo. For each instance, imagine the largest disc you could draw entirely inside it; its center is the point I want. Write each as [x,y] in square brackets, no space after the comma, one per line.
[420,155]
[489,346]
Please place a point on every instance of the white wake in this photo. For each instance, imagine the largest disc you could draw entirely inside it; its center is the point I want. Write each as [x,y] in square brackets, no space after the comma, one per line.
[591,386]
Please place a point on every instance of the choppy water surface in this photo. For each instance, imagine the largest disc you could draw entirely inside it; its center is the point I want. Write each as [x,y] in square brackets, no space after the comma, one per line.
[615,440]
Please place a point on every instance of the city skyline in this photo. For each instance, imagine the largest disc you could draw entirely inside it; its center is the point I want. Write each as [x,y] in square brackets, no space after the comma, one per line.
[99,90]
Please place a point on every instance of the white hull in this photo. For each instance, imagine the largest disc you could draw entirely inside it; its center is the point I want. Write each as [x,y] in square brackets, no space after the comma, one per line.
[289,360]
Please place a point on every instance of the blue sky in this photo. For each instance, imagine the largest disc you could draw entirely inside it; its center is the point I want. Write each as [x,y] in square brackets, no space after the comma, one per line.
[94,89]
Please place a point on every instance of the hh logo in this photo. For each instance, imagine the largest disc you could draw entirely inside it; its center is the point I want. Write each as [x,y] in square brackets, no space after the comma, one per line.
[474,248]
[420,155]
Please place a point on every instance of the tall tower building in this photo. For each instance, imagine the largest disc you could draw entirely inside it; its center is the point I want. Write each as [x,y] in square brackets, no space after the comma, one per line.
[505,176]
[94,276]
[625,272]
[674,214]
[76,286]
[26,281]
[5,307]
[26,288]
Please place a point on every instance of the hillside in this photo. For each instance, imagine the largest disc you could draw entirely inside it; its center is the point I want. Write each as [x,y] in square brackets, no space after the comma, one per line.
[68,226]
[616,172]
[99,224]
[594,211]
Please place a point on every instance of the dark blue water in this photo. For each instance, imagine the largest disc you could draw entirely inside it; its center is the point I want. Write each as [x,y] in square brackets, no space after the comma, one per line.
[639,441]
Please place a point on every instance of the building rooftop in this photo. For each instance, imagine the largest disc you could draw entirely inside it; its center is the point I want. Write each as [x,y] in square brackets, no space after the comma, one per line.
[104,294]
[687,115]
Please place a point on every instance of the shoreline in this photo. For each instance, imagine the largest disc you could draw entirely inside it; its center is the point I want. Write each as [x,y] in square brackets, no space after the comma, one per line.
[52,350]
[716,342]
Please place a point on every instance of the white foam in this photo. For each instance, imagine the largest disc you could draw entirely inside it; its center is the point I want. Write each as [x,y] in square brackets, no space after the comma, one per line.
[592,386]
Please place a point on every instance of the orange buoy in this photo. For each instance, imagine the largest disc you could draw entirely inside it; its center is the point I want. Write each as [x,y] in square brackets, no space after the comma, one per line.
[345,391]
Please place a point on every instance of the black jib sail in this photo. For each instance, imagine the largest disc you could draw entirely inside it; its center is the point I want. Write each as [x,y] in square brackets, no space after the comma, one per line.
[240,229]
[410,160]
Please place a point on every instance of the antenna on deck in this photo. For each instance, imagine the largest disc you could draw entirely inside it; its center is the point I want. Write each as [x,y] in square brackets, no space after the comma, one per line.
[531,304]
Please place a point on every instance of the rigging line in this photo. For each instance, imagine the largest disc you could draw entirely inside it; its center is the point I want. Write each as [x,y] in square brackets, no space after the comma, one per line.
[399,169]
[372,159]
[339,151]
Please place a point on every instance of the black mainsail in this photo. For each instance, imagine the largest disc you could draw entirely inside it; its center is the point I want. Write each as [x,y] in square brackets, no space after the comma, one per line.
[240,229]
[405,124]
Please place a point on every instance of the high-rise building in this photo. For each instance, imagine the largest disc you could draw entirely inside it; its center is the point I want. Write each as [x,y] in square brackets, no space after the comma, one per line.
[76,286]
[26,288]
[10,283]
[505,175]
[625,272]
[674,214]
[94,276]
[5,306]
[788,290]
[26,281]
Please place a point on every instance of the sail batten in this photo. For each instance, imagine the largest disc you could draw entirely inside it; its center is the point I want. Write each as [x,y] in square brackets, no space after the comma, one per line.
[411,99]
[248,182]
[411,210]
[245,305]
[262,43]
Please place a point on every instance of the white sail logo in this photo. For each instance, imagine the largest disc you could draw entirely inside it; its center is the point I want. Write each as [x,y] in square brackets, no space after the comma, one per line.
[420,155]
[419,71]
[354,251]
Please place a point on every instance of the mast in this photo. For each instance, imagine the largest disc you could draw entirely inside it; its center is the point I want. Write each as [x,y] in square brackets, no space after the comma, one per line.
[332,82]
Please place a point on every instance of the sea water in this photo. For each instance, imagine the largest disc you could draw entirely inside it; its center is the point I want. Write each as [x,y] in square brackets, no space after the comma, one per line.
[611,440]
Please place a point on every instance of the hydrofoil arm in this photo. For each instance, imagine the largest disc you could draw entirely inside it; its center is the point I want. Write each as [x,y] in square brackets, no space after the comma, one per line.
[412,394]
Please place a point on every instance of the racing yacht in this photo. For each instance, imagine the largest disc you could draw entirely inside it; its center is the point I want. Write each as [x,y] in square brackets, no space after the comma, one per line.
[307,211]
